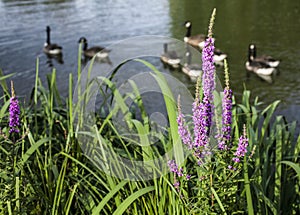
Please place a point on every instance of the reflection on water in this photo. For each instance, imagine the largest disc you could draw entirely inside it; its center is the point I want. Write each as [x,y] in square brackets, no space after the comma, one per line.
[273,25]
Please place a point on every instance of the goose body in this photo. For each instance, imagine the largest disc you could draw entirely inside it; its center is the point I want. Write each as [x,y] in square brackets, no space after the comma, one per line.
[97,51]
[170,57]
[263,58]
[219,56]
[49,48]
[259,68]
[192,70]
[194,40]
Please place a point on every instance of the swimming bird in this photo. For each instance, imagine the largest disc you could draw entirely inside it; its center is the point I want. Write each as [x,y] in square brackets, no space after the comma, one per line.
[170,57]
[99,51]
[51,48]
[194,40]
[263,58]
[258,67]
[219,56]
[192,70]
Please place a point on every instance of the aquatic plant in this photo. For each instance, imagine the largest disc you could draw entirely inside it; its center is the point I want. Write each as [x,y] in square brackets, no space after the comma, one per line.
[216,181]
[14,112]
[224,137]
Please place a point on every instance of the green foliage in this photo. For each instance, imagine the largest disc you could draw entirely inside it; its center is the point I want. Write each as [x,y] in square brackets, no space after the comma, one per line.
[272,184]
[44,171]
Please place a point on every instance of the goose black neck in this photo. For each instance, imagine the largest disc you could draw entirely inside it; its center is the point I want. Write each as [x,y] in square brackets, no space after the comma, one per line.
[85,45]
[254,52]
[251,54]
[48,37]
[189,31]
[165,47]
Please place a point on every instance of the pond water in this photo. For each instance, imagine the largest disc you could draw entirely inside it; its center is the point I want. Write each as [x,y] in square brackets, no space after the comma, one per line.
[273,25]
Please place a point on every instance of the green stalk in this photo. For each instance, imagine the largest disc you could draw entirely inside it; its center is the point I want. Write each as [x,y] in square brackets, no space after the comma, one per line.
[278,172]
[71,198]
[9,207]
[18,194]
[218,200]
[35,95]
[247,188]
[59,188]
[70,101]
[79,71]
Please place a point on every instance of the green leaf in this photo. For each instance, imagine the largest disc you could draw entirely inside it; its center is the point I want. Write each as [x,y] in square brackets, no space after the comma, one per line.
[32,149]
[218,200]
[171,110]
[122,208]
[104,201]
[295,166]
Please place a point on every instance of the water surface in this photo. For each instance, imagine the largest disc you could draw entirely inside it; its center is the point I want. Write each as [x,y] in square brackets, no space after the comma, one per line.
[273,25]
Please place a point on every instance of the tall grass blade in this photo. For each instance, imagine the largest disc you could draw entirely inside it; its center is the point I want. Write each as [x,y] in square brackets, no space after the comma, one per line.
[34,147]
[68,206]
[171,110]
[3,82]
[278,172]
[130,199]
[250,209]
[18,194]
[295,166]
[218,200]
[107,197]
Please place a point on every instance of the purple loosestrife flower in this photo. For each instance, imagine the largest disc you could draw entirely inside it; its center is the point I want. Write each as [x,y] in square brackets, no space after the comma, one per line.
[208,80]
[188,177]
[242,147]
[174,168]
[227,113]
[182,128]
[176,185]
[200,128]
[203,111]
[208,77]
[14,112]
[231,168]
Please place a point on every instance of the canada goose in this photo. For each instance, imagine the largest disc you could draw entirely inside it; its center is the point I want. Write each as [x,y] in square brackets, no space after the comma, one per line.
[192,70]
[258,67]
[49,48]
[194,40]
[170,57]
[264,58]
[99,51]
[219,56]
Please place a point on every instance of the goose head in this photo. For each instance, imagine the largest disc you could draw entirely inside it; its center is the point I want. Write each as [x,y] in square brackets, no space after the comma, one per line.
[252,52]
[188,24]
[84,41]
